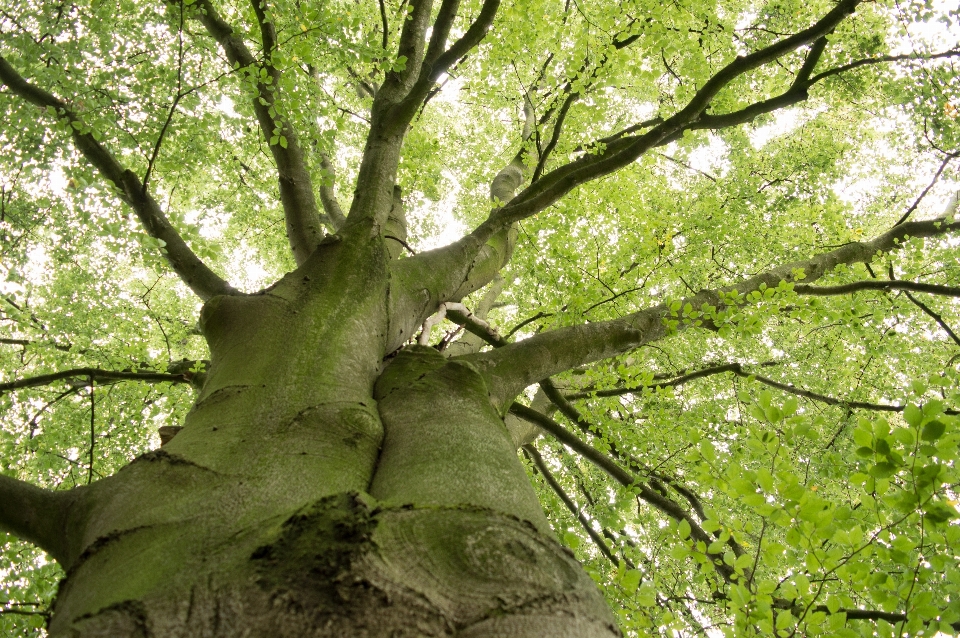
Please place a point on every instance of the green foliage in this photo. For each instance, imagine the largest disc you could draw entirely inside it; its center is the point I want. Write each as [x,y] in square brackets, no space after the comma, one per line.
[839,502]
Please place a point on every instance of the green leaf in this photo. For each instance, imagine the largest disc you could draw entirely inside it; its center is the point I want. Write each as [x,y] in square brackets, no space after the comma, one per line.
[883,469]
[933,430]
[882,447]
[938,512]
[913,415]
[790,407]
[630,581]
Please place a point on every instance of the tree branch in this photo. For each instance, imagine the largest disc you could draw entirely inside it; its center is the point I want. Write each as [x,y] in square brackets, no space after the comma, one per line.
[472,342]
[873,284]
[623,151]
[883,59]
[936,317]
[304,230]
[397,84]
[621,476]
[36,515]
[738,370]
[203,281]
[613,152]
[568,410]
[327,197]
[419,284]
[460,314]
[923,193]
[570,97]
[86,376]
[384,25]
[678,380]
[513,367]
[534,455]
[436,61]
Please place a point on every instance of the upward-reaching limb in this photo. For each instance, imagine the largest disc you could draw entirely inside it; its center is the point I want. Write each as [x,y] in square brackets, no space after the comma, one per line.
[304,229]
[422,283]
[511,368]
[327,197]
[184,262]
[402,94]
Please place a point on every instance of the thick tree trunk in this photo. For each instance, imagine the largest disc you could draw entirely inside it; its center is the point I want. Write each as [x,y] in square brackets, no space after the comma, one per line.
[319,490]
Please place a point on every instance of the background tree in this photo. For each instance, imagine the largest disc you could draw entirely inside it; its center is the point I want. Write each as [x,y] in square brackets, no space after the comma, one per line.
[712,301]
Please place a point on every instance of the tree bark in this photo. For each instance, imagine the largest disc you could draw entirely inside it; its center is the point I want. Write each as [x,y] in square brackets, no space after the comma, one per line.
[316,489]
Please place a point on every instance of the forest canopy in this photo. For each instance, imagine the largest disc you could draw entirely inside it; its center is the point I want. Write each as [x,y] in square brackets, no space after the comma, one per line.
[779,458]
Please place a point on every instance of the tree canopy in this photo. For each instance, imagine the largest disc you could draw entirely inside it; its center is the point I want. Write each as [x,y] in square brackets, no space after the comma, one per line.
[724,233]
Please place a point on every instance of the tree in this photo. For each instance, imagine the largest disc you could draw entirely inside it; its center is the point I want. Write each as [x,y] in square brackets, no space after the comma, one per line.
[731,372]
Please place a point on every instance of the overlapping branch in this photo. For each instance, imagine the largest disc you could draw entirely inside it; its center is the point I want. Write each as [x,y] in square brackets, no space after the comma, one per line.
[623,477]
[738,370]
[534,455]
[203,281]
[304,229]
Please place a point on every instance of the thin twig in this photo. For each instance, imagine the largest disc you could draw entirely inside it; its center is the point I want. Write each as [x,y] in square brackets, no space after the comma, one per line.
[93,432]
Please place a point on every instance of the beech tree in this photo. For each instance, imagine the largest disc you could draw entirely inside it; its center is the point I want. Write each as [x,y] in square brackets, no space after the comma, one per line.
[479,318]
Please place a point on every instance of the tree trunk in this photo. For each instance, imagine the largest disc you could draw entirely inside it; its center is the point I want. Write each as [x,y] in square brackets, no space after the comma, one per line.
[319,488]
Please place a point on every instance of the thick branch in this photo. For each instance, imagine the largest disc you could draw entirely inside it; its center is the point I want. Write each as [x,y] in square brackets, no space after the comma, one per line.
[397,84]
[437,61]
[304,230]
[203,281]
[618,150]
[419,284]
[513,367]
[35,515]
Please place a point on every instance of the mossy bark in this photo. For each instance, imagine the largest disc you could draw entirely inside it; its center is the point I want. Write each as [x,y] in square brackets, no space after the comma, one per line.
[323,486]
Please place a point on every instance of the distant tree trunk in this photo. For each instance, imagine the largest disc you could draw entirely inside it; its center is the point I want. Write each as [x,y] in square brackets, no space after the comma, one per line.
[323,487]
